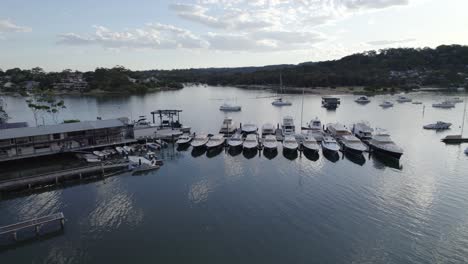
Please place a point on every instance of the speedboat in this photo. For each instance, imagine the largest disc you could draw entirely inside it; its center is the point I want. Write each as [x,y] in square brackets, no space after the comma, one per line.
[337,130]
[288,127]
[215,141]
[199,140]
[249,128]
[439,125]
[386,104]
[250,142]
[382,143]
[184,139]
[268,129]
[290,143]
[330,144]
[444,104]
[281,102]
[363,131]
[352,144]
[235,140]
[228,126]
[310,143]
[316,129]
[270,142]
[153,146]
[403,99]
[362,100]
[230,108]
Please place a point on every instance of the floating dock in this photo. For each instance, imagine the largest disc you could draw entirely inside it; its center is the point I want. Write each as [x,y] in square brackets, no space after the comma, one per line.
[36,223]
[32,182]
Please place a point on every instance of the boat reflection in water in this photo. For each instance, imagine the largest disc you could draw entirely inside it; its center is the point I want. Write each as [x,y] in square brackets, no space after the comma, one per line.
[197,152]
[270,153]
[234,151]
[332,156]
[358,159]
[381,161]
[213,152]
[182,147]
[250,153]
[290,154]
[311,155]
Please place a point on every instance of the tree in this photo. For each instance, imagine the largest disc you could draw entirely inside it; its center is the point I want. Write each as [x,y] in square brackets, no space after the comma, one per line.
[44,102]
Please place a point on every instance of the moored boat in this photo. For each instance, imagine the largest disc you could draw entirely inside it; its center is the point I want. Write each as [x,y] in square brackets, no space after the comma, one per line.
[216,141]
[290,143]
[352,144]
[184,139]
[249,128]
[444,104]
[329,144]
[382,143]
[230,108]
[403,99]
[268,129]
[270,142]
[362,130]
[199,140]
[288,127]
[439,125]
[235,141]
[386,104]
[228,126]
[362,100]
[250,142]
[309,143]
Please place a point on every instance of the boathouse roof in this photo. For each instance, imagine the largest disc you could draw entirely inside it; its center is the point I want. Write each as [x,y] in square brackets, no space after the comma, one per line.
[60,128]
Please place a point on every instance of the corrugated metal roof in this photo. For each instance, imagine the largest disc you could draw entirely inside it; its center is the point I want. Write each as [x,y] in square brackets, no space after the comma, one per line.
[60,128]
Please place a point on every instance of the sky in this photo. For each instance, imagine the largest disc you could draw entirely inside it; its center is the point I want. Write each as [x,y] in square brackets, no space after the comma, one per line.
[176,34]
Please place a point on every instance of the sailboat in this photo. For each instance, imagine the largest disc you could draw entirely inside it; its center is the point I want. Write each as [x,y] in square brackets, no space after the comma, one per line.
[457,139]
[280,101]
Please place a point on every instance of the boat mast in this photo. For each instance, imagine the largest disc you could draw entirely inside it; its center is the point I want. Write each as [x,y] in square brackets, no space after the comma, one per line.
[281,83]
[302,110]
[464,114]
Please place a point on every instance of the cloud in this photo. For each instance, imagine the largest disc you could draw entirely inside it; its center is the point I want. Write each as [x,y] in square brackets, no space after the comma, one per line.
[154,36]
[390,42]
[8,26]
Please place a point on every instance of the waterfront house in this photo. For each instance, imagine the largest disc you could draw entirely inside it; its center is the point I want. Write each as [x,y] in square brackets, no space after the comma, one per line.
[26,142]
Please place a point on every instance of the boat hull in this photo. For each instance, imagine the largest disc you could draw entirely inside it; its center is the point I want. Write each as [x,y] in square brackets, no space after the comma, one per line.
[396,155]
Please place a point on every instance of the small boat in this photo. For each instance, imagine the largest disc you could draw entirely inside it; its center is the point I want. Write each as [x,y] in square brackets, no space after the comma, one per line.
[228,126]
[199,140]
[235,141]
[91,158]
[161,143]
[120,150]
[439,125]
[362,100]
[444,104]
[216,141]
[352,144]
[363,131]
[268,129]
[337,130]
[290,143]
[250,142]
[99,154]
[382,143]
[386,104]
[249,128]
[142,164]
[330,144]
[281,102]
[288,126]
[230,108]
[270,142]
[153,146]
[330,102]
[310,143]
[110,151]
[128,149]
[403,99]
[184,139]
[416,102]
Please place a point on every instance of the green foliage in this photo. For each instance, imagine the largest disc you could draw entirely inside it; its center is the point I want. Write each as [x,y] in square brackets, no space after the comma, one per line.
[44,102]
[68,121]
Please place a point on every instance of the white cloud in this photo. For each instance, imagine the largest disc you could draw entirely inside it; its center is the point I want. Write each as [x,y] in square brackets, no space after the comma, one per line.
[390,42]
[7,26]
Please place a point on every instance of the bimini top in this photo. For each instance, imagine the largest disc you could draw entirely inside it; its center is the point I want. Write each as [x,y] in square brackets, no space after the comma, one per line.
[60,128]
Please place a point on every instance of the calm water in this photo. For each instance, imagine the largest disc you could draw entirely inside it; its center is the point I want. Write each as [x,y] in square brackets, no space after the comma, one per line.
[220,208]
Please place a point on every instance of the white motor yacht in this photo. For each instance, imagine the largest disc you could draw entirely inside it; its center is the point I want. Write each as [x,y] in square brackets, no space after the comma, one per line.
[250,142]
[235,140]
[199,140]
[228,126]
[363,131]
[268,129]
[120,150]
[330,144]
[316,129]
[184,139]
[439,125]
[386,104]
[381,142]
[403,99]
[249,128]
[337,130]
[288,127]
[270,142]
[230,108]
[362,100]
[216,141]
[310,143]
[444,104]
[281,102]
[290,142]
[352,144]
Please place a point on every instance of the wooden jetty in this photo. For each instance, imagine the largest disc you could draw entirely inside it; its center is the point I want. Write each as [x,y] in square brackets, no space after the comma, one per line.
[26,183]
[37,223]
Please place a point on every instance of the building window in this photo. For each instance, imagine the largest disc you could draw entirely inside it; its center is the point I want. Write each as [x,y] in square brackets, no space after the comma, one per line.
[56,136]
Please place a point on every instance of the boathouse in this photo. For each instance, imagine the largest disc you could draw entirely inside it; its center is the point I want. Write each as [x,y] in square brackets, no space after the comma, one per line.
[26,142]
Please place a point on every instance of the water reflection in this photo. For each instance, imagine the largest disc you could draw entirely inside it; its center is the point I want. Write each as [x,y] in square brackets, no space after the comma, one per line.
[381,161]
[211,153]
[234,151]
[311,155]
[290,154]
[332,156]
[183,147]
[358,159]
[197,152]
[270,154]
[250,153]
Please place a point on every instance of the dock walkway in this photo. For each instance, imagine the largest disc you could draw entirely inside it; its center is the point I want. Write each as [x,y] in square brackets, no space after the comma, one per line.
[36,223]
